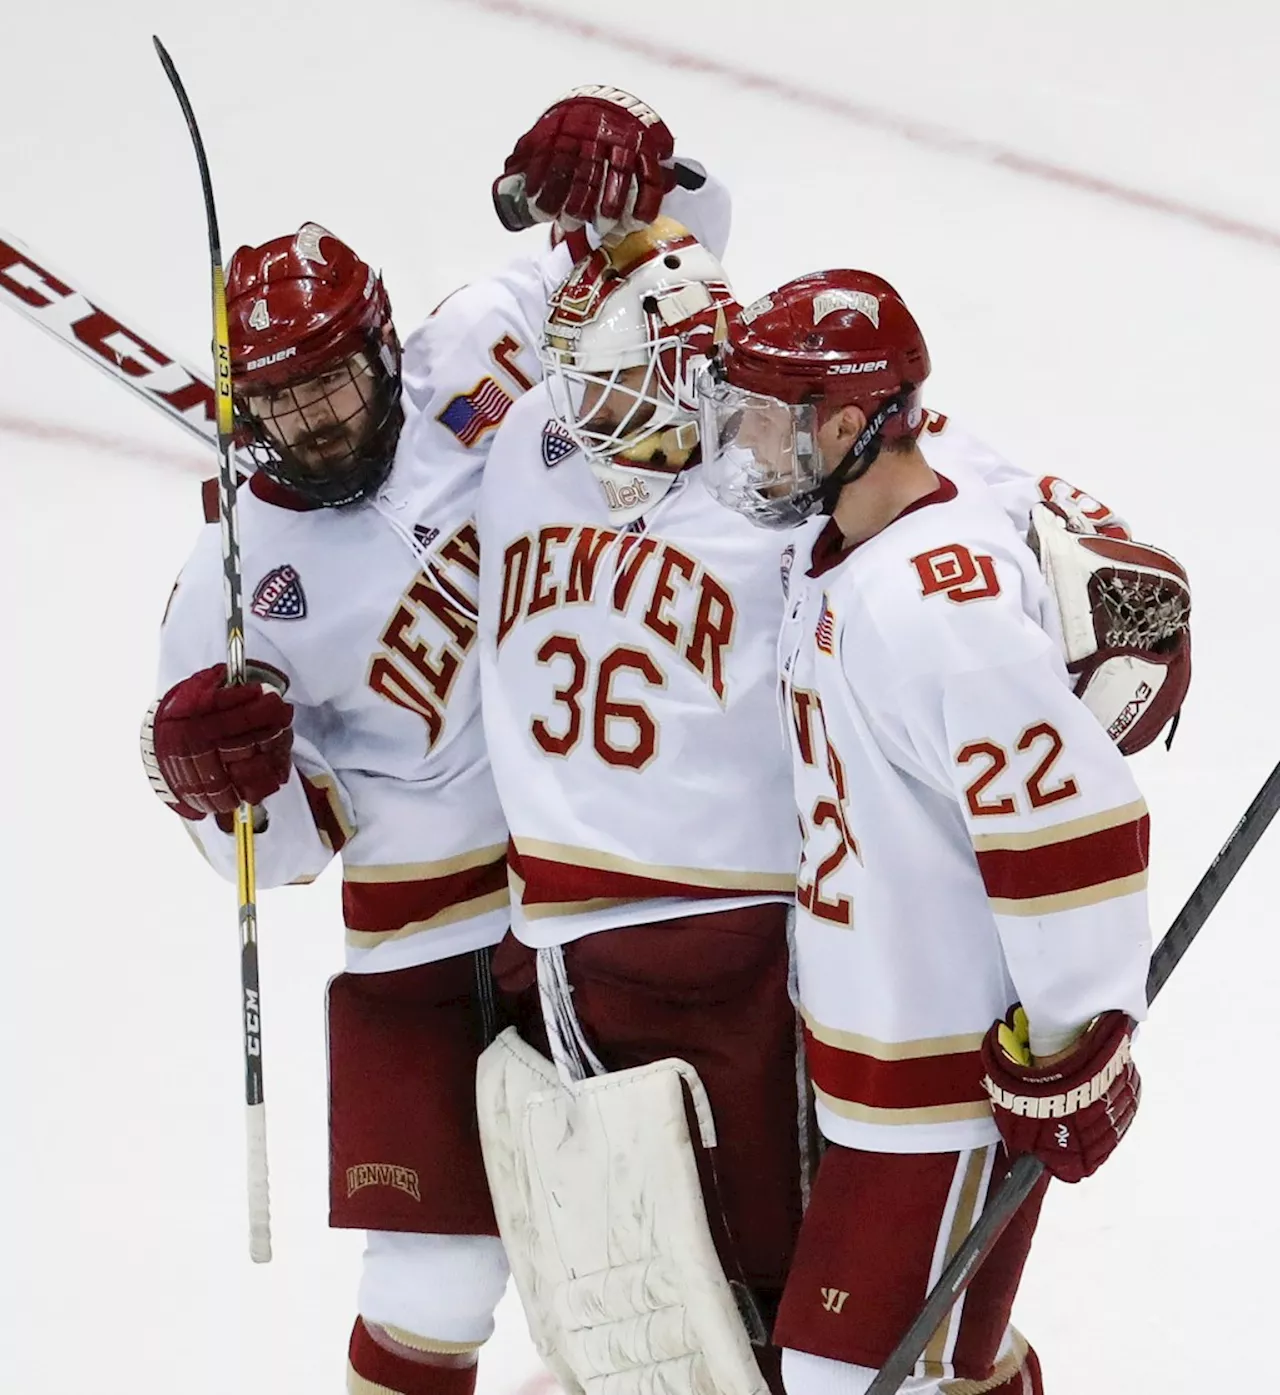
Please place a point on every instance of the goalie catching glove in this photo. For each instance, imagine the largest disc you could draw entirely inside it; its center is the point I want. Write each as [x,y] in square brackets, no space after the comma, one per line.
[598,156]
[1125,609]
[207,747]
[1070,1114]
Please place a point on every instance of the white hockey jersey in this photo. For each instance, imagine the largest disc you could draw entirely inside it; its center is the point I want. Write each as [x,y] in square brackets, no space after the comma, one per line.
[971,835]
[628,694]
[367,615]
[377,654]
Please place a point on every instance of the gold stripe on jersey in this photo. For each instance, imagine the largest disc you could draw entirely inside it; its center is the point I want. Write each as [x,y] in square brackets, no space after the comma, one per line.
[731,882]
[930,1114]
[424,871]
[1060,832]
[464,910]
[891,1050]
[1070,900]
[935,1353]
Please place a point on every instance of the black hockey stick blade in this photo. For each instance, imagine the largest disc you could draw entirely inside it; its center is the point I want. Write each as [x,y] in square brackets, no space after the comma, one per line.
[171,72]
[1026,1171]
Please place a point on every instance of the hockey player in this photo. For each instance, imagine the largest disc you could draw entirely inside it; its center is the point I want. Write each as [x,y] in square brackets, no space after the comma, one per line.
[360,733]
[628,636]
[972,933]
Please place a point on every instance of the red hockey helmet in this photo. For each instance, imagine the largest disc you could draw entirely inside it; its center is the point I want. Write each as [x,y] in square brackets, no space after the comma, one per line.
[316,365]
[793,358]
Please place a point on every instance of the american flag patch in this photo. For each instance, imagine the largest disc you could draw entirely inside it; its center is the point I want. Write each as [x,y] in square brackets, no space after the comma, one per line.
[825,632]
[471,414]
[279,596]
[556,443]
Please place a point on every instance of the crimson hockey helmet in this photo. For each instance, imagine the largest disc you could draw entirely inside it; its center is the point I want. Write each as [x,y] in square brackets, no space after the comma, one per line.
[316,365]
[793,358]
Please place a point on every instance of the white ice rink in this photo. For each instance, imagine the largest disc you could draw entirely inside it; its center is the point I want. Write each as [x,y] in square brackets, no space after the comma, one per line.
[1080,201]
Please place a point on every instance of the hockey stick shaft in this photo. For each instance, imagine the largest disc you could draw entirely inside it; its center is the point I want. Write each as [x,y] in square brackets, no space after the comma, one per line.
[52,301]
[1026,1171]
[233,593]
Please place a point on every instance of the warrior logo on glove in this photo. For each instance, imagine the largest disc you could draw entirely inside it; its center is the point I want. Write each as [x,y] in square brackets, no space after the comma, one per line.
[1070,1114]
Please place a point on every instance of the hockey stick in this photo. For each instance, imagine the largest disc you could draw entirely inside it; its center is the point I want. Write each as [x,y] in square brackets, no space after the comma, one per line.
[233,591]
[48,299]
[1027,1170]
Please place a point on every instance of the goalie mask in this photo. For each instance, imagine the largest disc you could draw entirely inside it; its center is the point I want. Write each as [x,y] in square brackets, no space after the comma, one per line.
[315,364]
[626,338]
[792,361]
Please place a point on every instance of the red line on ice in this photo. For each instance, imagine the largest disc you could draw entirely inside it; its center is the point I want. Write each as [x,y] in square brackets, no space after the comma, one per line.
[141,451]
[931,136]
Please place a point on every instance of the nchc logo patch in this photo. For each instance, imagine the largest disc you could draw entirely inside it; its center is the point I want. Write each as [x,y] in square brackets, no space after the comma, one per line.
[279,596]
[557,444]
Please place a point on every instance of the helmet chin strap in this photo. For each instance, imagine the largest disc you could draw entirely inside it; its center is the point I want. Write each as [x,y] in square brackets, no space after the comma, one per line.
[861,455]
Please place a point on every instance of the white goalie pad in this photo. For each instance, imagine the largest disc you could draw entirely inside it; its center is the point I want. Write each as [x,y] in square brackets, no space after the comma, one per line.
[595,1186]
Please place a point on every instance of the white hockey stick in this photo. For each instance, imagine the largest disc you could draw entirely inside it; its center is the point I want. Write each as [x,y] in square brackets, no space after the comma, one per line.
[50,300]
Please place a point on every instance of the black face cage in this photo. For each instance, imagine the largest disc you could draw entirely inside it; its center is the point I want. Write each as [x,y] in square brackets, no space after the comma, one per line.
[347,478]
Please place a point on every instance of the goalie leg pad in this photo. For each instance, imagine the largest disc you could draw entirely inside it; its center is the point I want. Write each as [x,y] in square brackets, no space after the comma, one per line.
[712,990]
[596,1190]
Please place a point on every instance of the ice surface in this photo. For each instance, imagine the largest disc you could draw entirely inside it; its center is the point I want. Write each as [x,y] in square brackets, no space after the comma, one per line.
[1132,351]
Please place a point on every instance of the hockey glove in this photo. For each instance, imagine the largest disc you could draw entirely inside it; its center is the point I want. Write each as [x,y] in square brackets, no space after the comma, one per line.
[1125,610]
[1071,1114]
[207,746]
[598,156]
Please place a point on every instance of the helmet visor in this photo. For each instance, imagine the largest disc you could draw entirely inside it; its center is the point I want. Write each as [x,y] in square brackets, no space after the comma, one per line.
[759,454]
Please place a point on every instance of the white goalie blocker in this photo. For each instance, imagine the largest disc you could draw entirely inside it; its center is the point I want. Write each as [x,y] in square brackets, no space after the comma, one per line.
[595,1186]
[1124,608]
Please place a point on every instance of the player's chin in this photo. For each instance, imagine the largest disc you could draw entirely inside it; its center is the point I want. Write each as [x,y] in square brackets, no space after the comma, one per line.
[318,457]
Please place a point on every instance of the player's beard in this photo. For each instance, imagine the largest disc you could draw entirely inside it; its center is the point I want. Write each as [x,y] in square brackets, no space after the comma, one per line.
[331,443]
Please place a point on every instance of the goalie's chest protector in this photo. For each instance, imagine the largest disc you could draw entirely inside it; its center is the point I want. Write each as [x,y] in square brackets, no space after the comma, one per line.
[629,693]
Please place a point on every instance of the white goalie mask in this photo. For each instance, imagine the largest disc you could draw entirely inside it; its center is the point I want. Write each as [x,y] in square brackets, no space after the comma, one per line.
[626,337]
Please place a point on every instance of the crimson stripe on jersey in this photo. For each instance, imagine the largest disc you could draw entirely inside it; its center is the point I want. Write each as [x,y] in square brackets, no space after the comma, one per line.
[562,883]
[324,815]
[923,1082]
[384,907]
[1075,864]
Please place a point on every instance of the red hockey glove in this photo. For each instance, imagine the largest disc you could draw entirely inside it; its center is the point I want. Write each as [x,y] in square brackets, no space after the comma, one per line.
[1070,1114]
[207,746]
[598,156]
